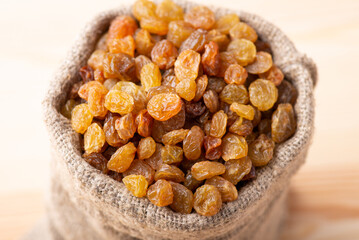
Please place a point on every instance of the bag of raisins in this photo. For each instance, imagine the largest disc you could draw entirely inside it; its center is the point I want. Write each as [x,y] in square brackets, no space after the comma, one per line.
[84,203]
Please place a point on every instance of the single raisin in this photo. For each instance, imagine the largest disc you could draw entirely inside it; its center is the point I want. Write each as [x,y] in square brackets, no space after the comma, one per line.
[186,89]
[121,27]
[192,143]
[164,106]
[216,84]
[190,182]
[123,45]
[126,126]
[261,150]
[235,74]
[207,169]
[226,22]
[241,127]
[155,161]
[140,167]
[178,31]
[234,147]
[187,65]
[144,123]
[111,135]
[242,110]
[144,43]
[169,11]
[144,9]
[136,184]
[150,76]
[287,93]
[94,138]
[175,136]
[154,25]
[160,193]
[96,59]
[164,54]
[284,123]
[234,93]
[68,107]
[263,94]
[220,39]
[211,100]
[97,160]
[262,63]
[207,200]
[171,154]
[195,109]
[237,169]
[228,191]
[200,17]
[264,126]
[170,173]
[196,41]
[121,160]
[87,73]
[242,30]
[274,74]
[146,147]
[243,51]
[213,147]
[211,59]
[218,124]
[201,83]
[182,198]
[81,118]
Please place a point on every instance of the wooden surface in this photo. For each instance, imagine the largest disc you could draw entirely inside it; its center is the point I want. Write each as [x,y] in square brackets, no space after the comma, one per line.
[324,197]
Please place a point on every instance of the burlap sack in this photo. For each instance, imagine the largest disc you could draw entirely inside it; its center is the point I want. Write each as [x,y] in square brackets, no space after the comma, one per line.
[85,204]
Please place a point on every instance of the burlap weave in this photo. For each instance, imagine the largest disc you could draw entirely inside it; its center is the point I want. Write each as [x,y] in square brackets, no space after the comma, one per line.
[85,204]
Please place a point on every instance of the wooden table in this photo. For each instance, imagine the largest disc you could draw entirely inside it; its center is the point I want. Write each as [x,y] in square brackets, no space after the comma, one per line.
[324,197]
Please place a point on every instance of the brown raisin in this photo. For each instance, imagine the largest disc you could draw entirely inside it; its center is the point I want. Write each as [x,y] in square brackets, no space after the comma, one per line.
[97,160]
[274,74]
[263,94]
[213,147]
[196,41]
[284,123]
[261,150]
[190,182]
[195,109]
[216,84]
[287,93]
[126,126]
[140,167]
[155,161]
[234,93]
[237,169]
[226,59]
[144,123]
[182,198]
[211,59]
[264,126]
[201,83]
[235,74]
[68,107]
[112,137]
[211,100]
[87,73]
[241,127]
[146,147]
[169,172]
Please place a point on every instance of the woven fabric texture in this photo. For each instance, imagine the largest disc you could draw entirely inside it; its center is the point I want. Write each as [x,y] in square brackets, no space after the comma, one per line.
[85,204]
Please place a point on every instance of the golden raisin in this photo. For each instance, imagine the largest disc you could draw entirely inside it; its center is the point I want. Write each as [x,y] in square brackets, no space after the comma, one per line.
[164,54]
[112,137]
[200,17]
[207,200]
[122,45]
[146,147]
[207,169]
[263,94]
[126,126]
[94,138]
[144,123]
[241,127]
[144,9]
[187,65]
[196,41]
[216,36]
[226,22]
[211,59]
[228,191]
[137,92]
[96,59]
[237,169]
[261,150]
[211,100]
[213,147]
[192,143]
[169,11]
[182,198]
[274,74]
[242,30]
[186,89]
[283,123]
[81,118]
[121,160]
[234,147]
[226,59]
[68,107]
[244,111]
[121,27]
[154,25]
[96,101]
[118,65]
[150,76]
[136,184]
[175,136]
[235,74]
[144,43]
[218,124]
[171,154]
[160,193]
[169,172]
[201,83]
[140,167]
[190,182]
[262,63]
[178,31]
[119,102]
[164,106]
[243,51]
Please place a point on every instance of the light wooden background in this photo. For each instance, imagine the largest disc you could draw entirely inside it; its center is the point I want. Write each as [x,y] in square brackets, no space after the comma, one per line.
[324,198]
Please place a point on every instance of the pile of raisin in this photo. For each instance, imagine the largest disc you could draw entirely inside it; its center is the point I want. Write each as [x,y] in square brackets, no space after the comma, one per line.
[180,106]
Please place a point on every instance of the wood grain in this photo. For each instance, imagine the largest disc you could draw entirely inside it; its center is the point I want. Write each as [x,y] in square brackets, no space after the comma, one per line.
[324,196]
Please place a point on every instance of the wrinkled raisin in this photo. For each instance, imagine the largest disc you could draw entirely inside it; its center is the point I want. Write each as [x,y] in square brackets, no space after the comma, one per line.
[155,161]
[160,193]
[144,9]
[283,123]
[235,74]
[226,22]
[164,106]
[196,41]
[274,74]
[237,169]
[261,150]
[207,169]
[242,30]
[178,31]
[121,160]
[169,11]
[218,124]
[81,118]
[97,160]
[144,43]
[164,54]
[144,123]
[228,191]
[241,127]
[200,17]
[169,172]
[262,63]
[211,59]
[234,147]
[213,147]
[263,94]
[243,51]
[234,93]
[211,100]
[94,138]
[139,167]
[182,198]
[171,154]
[187,65]
[150,76]
[207,200]
[201,83]
[175,136]
[192,144]
[146,147]
[136,184]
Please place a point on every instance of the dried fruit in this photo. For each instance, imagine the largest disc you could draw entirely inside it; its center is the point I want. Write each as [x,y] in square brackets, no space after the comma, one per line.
[97,160]
[234,93]
[263,94]
[171,154]
[192,144]
[144,123]
[121,160]
[164,54]
[235,74]
[146,147]
[175,136]
[121,27]
[140,167]
[242,30]
[68,107]
[211,59]
[226,22]
[216,84]
[200,17]
[186,89]
[218,124]
[144,9]
[136,184]
[81,118]
[241,127]
[228,191]
[122,45]
[158,130]
[109,83]
[221,39]
[178,31]
[211,100]
[201,83]
[160,193]
[96,101]
[234,147]
[195,109]
[118,65]
[261,150]
[144,43]
[170,173]
[287,93]
[137,92]
[175,122]
[119,102]
[284,123]
[274,74]
[83,91]
[150,76]
[243,51]
[196,41]
[169,11]
[87,74]
[155,161]
[237,169]
[187,65]
[190,182]
[94,138]
[157,90]
[126,126]
[207,200]
[213,147]
[154,25]
[262,63]
[182,198]
[96,59]
[244,111]
[164,106]
[169,78]
[111,135]
[207,169]
[226,59]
